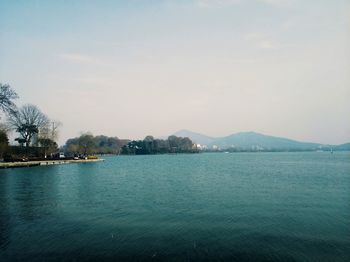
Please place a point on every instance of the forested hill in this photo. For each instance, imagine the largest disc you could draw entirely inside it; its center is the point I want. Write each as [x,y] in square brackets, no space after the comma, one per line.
[89,144]
[150,145]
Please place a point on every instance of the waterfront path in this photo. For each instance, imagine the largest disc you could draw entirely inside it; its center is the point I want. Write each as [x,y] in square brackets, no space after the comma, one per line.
[45,163]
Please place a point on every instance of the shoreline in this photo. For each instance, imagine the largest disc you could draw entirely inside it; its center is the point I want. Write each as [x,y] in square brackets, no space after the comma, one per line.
[5,165]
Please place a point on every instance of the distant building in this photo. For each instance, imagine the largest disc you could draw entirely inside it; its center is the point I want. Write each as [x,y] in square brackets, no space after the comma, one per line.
[200,147]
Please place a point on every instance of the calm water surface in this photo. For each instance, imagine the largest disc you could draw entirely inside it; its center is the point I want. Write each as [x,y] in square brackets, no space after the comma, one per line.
[202,207]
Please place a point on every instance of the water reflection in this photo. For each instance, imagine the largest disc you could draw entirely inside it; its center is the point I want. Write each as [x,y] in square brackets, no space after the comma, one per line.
[86,180]
[5,215]
[35,193]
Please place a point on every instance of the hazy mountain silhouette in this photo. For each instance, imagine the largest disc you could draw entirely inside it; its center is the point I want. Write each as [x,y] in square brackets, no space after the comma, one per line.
[252,140]
[255,141]
[195,137]
[345,147]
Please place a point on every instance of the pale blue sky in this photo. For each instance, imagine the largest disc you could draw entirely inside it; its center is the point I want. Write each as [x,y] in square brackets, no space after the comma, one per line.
[133,68]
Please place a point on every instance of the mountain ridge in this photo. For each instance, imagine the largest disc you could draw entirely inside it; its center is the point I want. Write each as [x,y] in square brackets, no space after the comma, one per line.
[255,141]
[195,137]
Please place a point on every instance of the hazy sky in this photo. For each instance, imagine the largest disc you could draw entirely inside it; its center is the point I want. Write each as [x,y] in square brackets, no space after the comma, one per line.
[133,68]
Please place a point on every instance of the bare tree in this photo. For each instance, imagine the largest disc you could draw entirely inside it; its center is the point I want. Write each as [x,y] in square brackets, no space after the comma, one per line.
[7,95]
[27,121]
[48,136]
[55,126]
[51,130]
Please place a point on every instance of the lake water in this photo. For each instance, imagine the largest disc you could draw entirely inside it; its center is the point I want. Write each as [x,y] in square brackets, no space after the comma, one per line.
[199,207]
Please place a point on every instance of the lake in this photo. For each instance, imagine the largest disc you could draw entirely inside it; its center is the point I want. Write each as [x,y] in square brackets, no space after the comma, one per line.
[190,207]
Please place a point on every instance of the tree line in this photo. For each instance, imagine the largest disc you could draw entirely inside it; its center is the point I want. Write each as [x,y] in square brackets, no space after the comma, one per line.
[150,145]
[87,144]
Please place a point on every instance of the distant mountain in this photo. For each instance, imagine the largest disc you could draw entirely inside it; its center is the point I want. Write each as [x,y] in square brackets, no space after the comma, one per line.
[342,147]
[195,137]
[256,141]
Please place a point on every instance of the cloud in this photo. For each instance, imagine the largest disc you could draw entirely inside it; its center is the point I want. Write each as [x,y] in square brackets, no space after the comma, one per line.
[267,44]
[290,23]
[261,40]
[77,58]
[225,3]
[243,61]
[215,3]
[101,82]
[112,44]
[255,36]
[277,2]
